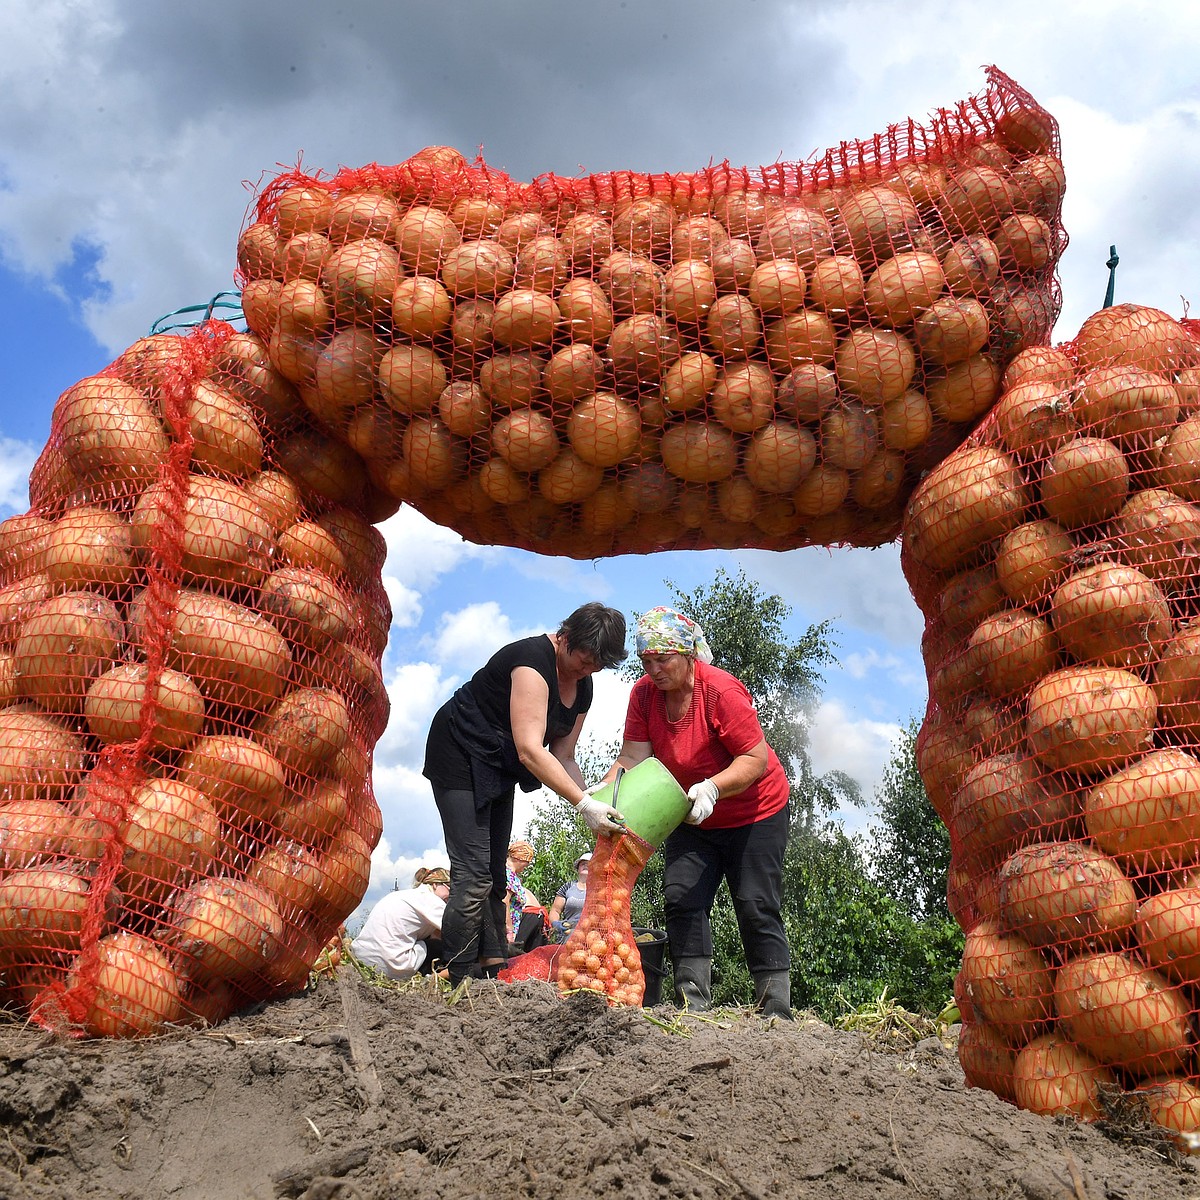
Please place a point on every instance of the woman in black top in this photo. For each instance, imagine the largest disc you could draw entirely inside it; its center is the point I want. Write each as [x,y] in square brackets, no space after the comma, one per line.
[516,720]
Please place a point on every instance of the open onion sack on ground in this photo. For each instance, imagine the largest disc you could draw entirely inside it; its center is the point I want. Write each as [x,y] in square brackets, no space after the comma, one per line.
[191,623]
[1056,557]
[627,363]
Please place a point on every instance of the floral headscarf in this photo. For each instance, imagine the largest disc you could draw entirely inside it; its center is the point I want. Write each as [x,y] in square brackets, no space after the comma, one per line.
[664,631]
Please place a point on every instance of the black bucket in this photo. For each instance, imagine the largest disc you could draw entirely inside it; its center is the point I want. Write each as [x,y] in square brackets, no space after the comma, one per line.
[652,946]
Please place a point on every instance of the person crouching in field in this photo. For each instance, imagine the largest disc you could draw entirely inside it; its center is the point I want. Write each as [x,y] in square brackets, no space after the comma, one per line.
[399,936]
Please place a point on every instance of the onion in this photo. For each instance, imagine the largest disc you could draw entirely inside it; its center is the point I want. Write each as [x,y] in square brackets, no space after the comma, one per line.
[224,928]
[1090,719]
[137,991]
[1132,335]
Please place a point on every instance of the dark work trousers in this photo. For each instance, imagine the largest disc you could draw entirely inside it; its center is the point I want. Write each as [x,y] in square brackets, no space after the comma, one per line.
[750,857]
[477,845]
[433,956]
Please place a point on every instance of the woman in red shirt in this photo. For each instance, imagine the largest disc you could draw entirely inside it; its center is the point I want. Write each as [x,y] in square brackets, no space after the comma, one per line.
[701,724]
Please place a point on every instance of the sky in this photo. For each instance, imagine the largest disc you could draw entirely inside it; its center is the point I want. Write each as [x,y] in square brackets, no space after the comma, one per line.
[132,136]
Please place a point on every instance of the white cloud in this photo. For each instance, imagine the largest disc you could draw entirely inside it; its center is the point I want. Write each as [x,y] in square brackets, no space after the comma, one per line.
[410,817]
[1131,184]
[416,691]
[16,460]
[470,636]
[860,747]
[389,871]
[861,588]
[420,552]
[407,609]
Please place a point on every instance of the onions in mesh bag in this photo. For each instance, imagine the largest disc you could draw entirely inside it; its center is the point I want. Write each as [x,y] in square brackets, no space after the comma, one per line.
[462,335]
[189,680]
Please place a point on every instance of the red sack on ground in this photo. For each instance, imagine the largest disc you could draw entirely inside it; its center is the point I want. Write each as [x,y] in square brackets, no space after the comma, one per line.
[541,964]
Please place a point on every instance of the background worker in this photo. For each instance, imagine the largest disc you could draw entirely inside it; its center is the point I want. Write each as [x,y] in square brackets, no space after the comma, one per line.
[524,916]
[568,900]
[399,935]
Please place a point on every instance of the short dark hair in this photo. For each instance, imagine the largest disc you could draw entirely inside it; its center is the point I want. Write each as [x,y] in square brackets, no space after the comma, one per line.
[597,630]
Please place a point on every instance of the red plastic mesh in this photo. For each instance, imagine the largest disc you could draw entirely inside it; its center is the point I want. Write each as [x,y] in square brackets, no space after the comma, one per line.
[601,953]
[191,623]
[1055,557]
[629,363]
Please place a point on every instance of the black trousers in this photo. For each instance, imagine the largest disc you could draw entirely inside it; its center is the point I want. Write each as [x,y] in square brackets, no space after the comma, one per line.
[750,857]
[531,933]
[477,845]
[433,956]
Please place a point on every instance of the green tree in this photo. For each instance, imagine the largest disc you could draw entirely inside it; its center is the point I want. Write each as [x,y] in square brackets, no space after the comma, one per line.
[911,848]
[745,628]
[850,940]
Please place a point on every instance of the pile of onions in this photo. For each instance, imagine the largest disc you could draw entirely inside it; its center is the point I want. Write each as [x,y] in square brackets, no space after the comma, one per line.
[631,363]
[1055,556]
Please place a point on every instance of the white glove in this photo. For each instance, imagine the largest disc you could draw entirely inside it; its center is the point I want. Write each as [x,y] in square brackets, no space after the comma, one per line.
[600,817]
[704,796]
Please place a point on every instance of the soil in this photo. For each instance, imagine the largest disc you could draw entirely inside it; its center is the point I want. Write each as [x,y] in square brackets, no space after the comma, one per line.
[350,1091]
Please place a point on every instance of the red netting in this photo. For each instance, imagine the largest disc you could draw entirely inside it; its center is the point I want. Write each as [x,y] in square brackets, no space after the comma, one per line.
[601,953]
[626,362]
[191,621]
[1056,557]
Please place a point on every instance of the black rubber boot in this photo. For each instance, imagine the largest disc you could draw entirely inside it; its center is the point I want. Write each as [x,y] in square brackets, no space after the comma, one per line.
[773,992]
[693,983]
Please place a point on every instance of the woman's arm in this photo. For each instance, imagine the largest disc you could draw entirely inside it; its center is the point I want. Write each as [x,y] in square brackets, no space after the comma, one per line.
[528,700]
[556,909]
[631,754]
[745,769]
[563,749]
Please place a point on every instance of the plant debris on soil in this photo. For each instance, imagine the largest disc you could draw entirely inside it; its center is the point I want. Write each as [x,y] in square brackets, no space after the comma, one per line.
[351,1091]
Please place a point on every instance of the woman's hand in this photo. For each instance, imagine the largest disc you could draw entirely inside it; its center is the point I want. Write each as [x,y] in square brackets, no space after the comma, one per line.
[704,796]
[600,817]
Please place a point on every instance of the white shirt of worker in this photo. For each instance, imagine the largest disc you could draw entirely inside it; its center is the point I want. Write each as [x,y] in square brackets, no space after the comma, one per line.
[391,938]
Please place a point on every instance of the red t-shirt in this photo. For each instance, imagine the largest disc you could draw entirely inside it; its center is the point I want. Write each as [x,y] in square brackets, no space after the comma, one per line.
[720,724]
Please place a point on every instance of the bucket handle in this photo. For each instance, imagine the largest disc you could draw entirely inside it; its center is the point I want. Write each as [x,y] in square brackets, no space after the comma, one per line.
[617,785]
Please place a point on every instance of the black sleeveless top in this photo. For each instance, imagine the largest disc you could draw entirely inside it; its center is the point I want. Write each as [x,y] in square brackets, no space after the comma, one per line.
[470,743]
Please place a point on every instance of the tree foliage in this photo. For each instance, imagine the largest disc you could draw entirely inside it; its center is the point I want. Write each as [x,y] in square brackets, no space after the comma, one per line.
[911,850]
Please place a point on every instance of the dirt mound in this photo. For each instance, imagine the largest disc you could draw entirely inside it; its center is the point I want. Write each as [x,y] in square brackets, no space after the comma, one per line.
[353,1091]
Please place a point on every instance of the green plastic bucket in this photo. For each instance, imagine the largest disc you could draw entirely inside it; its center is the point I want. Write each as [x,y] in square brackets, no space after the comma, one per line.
[649,799]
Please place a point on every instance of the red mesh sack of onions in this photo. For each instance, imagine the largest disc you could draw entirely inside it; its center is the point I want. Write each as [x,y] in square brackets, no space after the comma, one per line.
[190,693]
[1056,557]
[601,953]
[627,363]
